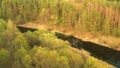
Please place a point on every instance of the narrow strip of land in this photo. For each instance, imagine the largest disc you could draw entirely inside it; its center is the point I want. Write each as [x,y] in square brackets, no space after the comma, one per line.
[107,54]
[107,41]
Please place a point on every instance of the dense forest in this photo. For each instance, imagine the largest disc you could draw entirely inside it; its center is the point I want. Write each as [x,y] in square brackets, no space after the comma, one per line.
[41,48]
[83,15]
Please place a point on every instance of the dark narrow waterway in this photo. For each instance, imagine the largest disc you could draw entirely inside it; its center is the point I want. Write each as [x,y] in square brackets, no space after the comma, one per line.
[101,52]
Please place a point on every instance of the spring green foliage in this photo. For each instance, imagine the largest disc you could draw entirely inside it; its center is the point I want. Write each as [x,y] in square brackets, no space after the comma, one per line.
[2,25]
[4,58]
[19,10]
[91,63]
[39,49]
[87,15]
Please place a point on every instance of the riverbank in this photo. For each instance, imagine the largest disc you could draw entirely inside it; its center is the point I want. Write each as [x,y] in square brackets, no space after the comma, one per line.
[78,51]
[108,41]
